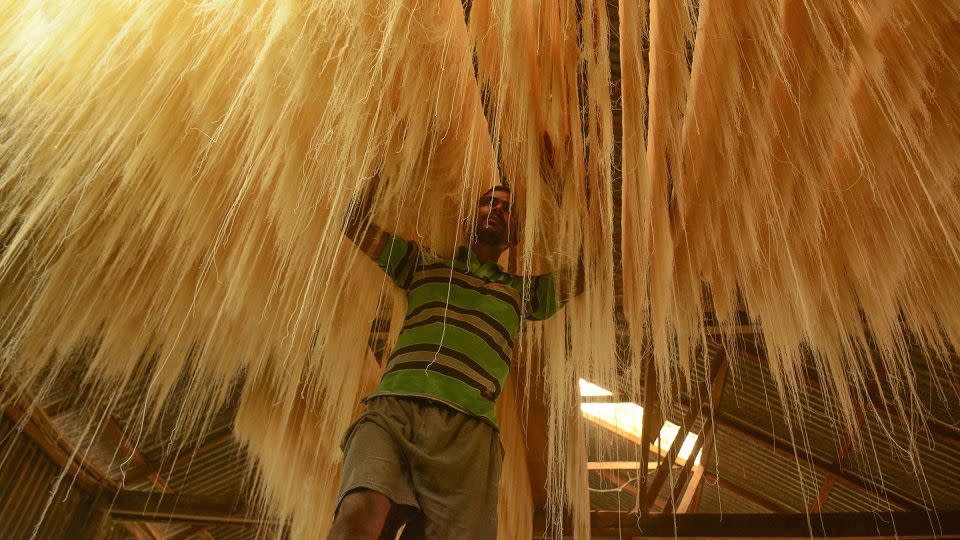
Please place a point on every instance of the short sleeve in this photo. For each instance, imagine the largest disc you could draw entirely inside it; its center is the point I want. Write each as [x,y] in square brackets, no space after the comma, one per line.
[398,260]
[543,301]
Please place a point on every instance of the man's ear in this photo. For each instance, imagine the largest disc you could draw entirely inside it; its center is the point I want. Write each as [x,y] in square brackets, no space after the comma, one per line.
[513,236]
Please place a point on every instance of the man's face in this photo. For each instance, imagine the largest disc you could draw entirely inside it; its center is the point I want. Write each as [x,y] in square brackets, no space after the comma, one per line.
[495,223]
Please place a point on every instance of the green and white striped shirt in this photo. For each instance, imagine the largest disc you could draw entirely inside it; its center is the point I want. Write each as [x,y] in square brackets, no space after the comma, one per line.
[461,322]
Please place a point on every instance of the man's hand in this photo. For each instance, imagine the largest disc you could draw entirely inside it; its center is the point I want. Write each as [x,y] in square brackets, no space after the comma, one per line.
[357,226]
[567,289]
[548,157]
[548,151]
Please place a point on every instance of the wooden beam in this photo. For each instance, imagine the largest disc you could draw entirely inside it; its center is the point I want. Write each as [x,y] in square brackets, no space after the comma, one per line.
[666,465]
[41,431]
[705,463]
[88,520]
[652,420]
[708,438]
[630,436]
[38,428]
[613,477]
[615,465]
[117,436]
[828,483]
[797,525]
[167,508]
[718,373]
[681,477]
[694,487]
[820,465]
[718,383]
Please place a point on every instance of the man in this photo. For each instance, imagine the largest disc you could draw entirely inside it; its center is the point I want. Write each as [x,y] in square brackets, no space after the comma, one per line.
[427,452]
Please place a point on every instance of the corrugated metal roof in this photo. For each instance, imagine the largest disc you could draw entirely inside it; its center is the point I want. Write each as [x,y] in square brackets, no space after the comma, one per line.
[936,379]
[169,436]
[751,396]
[716,500]
[33,493]
[882,458]
[208,468]
[228,532]
[216,474]
[845,499]
[218,470]
[885,458]
[773,476]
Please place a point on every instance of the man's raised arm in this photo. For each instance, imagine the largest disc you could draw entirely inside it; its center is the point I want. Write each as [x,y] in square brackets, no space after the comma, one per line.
[567,289]
[359,229]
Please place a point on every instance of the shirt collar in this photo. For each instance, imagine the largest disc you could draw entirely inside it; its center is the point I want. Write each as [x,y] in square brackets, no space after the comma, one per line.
[474,266]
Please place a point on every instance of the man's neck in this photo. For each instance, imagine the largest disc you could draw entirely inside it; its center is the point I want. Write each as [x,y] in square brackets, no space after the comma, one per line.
[485,252]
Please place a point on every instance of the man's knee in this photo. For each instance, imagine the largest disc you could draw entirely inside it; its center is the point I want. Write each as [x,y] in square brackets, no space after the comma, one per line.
[362,514]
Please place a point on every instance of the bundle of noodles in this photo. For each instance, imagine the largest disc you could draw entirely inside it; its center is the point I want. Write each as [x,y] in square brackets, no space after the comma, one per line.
[551,120]
[811,180]
[181,189]
[173,182]
[174,177]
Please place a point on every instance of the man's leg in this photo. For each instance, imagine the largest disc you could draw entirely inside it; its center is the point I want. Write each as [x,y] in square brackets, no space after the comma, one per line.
[376,491]
[362,514]
[457,474]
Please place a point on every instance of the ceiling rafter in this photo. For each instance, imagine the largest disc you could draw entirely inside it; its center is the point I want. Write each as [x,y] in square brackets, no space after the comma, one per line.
[685,472]
[652,420]
[916,524]
[614,477]
[705,441]
[145,469]
[44,433]
[709,432]
[718,372]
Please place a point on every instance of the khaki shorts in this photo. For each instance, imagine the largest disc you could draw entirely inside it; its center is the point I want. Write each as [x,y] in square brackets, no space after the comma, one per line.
[442,464]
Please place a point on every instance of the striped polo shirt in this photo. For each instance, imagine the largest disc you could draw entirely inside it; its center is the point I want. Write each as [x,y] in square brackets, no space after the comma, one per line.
[461,321]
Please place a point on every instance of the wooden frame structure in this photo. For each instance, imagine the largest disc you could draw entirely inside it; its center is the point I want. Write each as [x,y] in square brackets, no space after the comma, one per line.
[830,525]
[138,512]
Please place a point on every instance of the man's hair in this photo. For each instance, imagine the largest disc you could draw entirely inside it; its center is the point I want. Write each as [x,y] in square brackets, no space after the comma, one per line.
[499,187]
